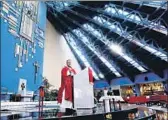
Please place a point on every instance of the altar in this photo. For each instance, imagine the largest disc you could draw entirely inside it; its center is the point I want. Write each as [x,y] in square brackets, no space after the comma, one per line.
[26,96]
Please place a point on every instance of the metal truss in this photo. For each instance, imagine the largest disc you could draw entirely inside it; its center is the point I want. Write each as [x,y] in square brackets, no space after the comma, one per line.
[99,34]
[116,27]
[106,42]
[104,59]
[122,13]
[133,16]
[160,4]
[62,5]
[79,52]
[91,46]
[153,50]
[74,43]
[86,40]
[120,31]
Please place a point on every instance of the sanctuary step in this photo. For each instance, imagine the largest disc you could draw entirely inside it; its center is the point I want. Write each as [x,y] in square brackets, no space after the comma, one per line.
[21,105]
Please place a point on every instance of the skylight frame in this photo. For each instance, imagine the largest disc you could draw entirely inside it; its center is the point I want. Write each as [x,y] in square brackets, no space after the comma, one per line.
[126,57]
[130,37]
[86,41]
[61,5]
[134,17]
[73,45]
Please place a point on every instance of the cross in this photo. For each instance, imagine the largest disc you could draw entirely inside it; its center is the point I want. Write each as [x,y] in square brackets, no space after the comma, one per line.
[22,86]
[36,66]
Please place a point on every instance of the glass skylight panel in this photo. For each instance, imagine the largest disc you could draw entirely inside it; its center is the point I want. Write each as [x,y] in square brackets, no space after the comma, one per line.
[79,53]
[162,55]
[61,5]
[86,40]
[101,75]
[113,11]
[116,48]
[66,4]
[131,38]
[101,58]
[157,4]
[91,29]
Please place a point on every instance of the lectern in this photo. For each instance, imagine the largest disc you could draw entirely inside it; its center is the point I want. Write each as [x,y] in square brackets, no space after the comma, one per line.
[83,91]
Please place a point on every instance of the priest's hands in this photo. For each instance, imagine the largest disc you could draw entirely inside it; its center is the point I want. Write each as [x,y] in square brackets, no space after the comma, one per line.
[91,83]
[69,73]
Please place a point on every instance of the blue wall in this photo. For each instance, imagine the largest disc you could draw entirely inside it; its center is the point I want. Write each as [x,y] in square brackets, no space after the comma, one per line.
[100,84]
[10,77]
[121,81]
[152,77]
[165,74]
[124,81]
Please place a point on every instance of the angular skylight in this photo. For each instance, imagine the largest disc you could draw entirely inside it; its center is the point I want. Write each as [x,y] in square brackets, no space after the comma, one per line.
[157,4]
[61,5]
[101,75]
[117,29]
[79,53]
[86,41]
[134,17]
[114,47]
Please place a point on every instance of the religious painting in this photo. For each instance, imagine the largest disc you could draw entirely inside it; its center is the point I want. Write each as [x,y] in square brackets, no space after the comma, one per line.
[29,18]
[26,29]
[31,9]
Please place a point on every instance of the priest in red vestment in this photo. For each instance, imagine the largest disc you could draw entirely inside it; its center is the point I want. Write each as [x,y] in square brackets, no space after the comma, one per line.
[65,94]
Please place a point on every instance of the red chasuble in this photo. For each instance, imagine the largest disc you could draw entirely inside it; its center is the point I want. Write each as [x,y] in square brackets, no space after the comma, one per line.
[67,83]
[90,75]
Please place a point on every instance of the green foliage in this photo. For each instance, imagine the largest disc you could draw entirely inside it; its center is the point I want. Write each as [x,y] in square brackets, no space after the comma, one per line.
[51,95]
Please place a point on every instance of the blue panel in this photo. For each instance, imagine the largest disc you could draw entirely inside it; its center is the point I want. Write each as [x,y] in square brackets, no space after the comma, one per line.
[42,11]
[10,77]
[100,84]
[165,74]
[8,74]
[121,81]
[151,78]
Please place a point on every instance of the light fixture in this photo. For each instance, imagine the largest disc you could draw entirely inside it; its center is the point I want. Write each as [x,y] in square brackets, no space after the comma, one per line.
[101,75]
[116,48]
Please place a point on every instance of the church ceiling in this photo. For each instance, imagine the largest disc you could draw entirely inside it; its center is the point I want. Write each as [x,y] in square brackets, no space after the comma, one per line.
[115,38]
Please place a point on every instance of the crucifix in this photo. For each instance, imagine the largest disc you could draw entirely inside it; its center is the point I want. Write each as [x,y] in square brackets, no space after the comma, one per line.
[36,67]
[22,86]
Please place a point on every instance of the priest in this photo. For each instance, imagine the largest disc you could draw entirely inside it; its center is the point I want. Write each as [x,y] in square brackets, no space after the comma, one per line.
[65,94]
